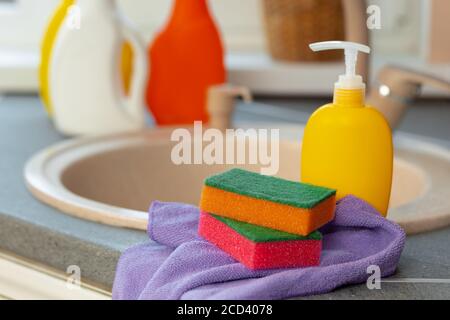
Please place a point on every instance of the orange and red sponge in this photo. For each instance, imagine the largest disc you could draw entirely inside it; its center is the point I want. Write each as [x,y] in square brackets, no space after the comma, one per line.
[257,247]
[270,202]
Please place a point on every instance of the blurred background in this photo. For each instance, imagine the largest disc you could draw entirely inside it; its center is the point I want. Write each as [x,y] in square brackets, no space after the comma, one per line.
[262,53]
[405,37]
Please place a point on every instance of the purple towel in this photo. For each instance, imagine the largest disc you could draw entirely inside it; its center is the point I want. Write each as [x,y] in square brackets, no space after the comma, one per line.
[181,265]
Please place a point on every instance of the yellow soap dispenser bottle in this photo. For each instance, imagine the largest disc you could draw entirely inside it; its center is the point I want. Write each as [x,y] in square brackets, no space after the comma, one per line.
[347,145]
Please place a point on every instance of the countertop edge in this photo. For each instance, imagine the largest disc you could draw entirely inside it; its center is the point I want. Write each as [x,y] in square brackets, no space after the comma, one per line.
[65,250]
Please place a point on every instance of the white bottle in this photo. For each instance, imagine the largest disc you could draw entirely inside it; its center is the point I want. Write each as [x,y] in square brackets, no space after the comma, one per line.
[86,90]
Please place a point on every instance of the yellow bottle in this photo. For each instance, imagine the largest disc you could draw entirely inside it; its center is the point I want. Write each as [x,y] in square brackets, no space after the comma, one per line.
[348,145]
[47,49]
[126,66]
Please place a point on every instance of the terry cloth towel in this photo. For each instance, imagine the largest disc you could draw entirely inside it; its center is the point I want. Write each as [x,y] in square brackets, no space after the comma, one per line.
[178,264]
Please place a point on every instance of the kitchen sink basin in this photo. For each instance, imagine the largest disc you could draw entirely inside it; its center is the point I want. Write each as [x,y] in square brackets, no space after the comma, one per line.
[113,179]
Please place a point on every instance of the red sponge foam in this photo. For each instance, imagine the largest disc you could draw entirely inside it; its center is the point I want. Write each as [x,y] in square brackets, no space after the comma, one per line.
[259,255]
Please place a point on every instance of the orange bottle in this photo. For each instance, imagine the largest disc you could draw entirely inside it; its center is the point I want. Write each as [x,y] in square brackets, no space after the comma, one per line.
[186,58]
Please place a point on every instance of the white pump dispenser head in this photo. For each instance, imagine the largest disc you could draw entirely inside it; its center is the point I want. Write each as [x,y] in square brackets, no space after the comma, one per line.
[350,80]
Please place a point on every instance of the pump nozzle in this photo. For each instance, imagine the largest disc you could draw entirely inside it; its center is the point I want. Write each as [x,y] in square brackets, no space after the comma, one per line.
[350,80]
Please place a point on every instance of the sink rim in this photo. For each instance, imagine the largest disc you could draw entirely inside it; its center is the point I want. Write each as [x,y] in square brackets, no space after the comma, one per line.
[50,190]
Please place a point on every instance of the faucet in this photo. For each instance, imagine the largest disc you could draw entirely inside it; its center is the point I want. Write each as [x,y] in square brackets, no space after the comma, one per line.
[221,104]
[396,87]
[394,90]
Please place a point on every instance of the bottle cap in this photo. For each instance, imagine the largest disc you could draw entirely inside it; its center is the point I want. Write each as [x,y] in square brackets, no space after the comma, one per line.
[350,80]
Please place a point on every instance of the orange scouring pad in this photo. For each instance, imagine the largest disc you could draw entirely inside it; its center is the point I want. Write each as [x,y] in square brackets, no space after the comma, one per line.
[270,202]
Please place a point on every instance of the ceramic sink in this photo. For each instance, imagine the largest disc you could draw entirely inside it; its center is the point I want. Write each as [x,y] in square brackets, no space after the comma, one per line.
[113,179]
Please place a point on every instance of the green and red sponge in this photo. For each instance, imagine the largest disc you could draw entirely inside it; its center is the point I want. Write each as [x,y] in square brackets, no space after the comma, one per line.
[265,222]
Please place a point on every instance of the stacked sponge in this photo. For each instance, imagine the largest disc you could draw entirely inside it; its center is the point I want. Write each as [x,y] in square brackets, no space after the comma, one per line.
[265,222]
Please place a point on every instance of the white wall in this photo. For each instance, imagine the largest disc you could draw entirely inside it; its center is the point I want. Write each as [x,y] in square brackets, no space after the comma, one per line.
[402,22]
[239,20]
[22,24]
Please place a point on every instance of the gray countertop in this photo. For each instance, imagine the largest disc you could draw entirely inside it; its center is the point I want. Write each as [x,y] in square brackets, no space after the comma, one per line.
[35,231]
